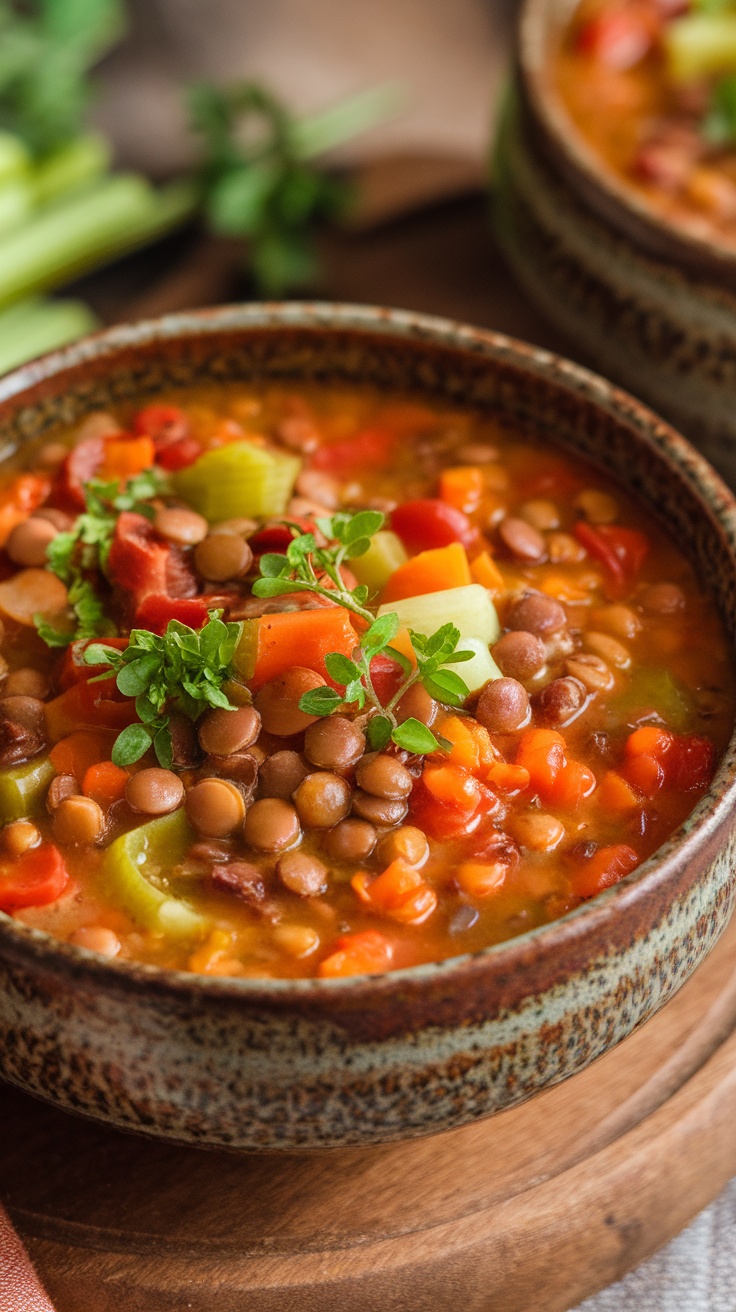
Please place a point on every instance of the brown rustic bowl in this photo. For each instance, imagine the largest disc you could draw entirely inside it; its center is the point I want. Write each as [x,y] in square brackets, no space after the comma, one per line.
[281,1064]
[646,300]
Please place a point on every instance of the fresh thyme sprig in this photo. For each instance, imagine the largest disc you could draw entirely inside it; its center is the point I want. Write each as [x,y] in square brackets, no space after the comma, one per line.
[183,671]
[78,555]
[305,568]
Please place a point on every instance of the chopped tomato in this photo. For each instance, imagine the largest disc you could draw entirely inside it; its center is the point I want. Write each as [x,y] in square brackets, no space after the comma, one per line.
[34,879]
[370,449]
[386,676]
[277,536]
[399,892]
[618,39]
[656,758]
[450,803]
[621,552]
[429,523]
[605,867]
[166,424]
[142,564]
[179,455]
[83,463]
[155,611]
[89,706]
[19,499]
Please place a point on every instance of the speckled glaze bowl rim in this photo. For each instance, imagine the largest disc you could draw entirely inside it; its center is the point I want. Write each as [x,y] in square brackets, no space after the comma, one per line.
[532,63]
[716,501]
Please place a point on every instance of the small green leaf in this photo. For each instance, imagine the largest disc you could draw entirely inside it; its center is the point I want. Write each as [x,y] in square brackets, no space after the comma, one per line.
[341,668]
[381,632]
[273,566]
[355,692]
[415,737]
[378,732]
[445,686]
[363,525]
[400,659]
[320,701]
[131,744]
[164,748]
[133,679]
[275,587]
[98,654]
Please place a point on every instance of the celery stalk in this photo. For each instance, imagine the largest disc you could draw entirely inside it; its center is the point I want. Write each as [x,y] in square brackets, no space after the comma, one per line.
[15,160]
[701,45]
[77,234]
[33,326]
[238,479]
[16,204]
[22,789]
[469,608]
[379,562]
[143,855]
[73,165]
[316,133]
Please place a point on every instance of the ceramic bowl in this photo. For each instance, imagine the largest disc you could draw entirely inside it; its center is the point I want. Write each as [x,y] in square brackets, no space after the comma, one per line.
[650,304]
[248,1064]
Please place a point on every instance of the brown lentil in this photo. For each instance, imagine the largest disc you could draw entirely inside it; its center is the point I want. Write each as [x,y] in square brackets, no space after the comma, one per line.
[281,774]
[334,743]
[18,836]
[272,825]
[503,706]
[407,842]
[522,539]
[538,614]
[64,785]
[302,874]
[542,515]
[383,776]
[28,541]
[561,700]
[379,810]
[416,704]
[591,671]
[215,807]
[78,821]
[223,556]
[519,655]
[609,649]
[96,938]
[26,682]
[221,732]
[322,800]
[598,507]
[182,526]
[350,840]
[154,791]
[619,620]
[278,702]
[662,599]
[28,711]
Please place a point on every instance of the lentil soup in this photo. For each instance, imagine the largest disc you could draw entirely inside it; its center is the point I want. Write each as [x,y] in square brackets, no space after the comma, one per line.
[651,85]
[320,682]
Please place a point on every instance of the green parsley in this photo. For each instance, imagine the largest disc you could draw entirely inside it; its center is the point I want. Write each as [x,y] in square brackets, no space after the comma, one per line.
[183,672]
[80,555]
[719,125]
[305,567]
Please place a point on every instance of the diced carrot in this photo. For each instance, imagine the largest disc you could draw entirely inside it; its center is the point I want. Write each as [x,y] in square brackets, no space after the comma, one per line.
[453,787]
[472,748]
[485,571]
[18,500]
[77,753]
[507,778]
[399,892]
[616,793]
[431,571]
[273,644]
[649,741]
[365,953]
[572,783]
[89,706]
[126,456]
[542,753]
[104,781]
[645,773]
[481,878]
[606,867]
[562,589]
[215,956]
[462,487]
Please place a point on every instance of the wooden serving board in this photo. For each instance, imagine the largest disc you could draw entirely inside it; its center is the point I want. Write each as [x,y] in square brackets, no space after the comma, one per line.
[535,1208]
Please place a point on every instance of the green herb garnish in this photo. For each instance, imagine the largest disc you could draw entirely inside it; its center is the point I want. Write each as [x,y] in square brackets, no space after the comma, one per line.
[183,672]
[719,125]
[77,556]
[306,567]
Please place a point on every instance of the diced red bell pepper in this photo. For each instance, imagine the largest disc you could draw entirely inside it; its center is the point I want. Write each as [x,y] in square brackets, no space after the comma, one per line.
[155,612]
[276,537]
[34,879]
[657,758]
[370,449]
[691,762]
[166,424]
[621,552]
[142,564]
[83,463]
[89,706]
[618,39]
[429,523]
[605,867]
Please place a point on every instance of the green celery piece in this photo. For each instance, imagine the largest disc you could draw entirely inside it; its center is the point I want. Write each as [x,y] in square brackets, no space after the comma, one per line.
[469,608]
[23,789]
[654,689]
[31,327]
[238,479]
[15,160]
[16,205]
[77,234]
[379,562]
[700,46]
[134,857]
[75,164]
[316,133]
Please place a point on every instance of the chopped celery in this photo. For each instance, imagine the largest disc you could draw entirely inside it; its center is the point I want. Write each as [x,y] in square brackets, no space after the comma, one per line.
[701,46]
[655,689]
[16,203]
[469,608]
[134,858]
[382,558]
[83,231]
[75,164]
[238,479]
[15,160]
[481,668]
[29,328]
[22,789]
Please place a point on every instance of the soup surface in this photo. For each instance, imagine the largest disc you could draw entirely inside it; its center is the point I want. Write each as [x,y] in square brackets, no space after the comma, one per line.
[320,682]
[651,84]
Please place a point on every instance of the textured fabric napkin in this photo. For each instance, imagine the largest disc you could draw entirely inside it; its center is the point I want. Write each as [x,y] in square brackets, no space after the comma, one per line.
[20,1289]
